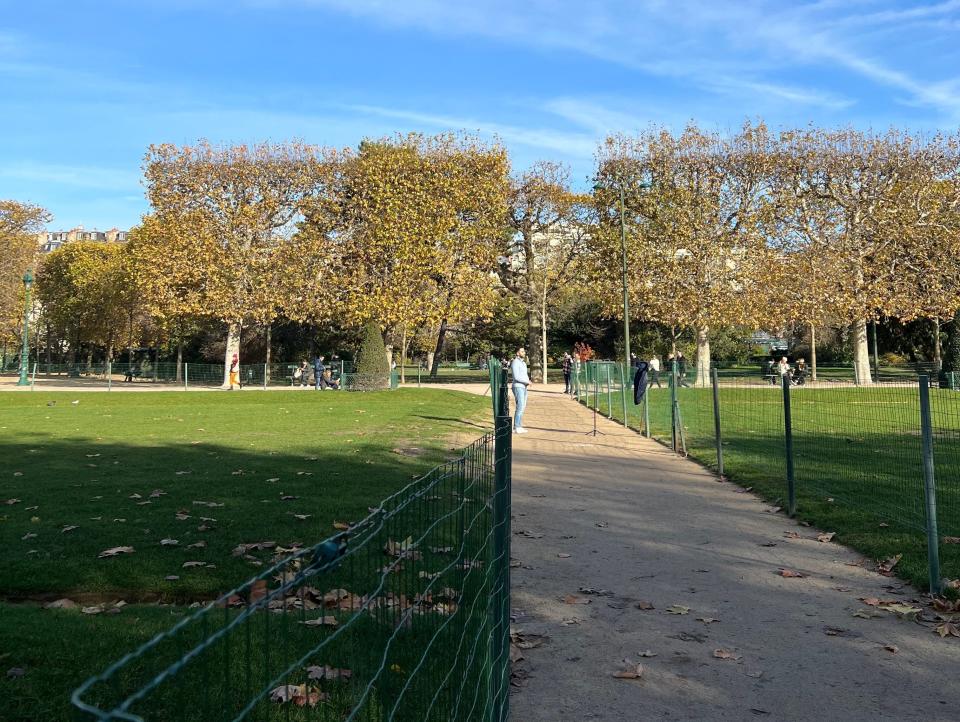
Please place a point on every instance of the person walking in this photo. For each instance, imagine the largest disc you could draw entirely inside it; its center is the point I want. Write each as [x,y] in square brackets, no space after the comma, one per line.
[654,367]
[567,369]
[235,372]
[682,370]
[318,369]
[518,369]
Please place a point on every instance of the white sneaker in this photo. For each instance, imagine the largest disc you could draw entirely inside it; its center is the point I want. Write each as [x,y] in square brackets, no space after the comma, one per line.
[520,430]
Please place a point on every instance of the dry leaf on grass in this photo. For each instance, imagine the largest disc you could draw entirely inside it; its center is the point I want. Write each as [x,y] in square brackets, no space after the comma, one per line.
[326,672]
[327,621]
[948,629]
[61,604]
[951,540]
[341,525]
[677,609]
[169,542]
[826,536]
[301,695]
[114,551]
[634,671]
[791,574]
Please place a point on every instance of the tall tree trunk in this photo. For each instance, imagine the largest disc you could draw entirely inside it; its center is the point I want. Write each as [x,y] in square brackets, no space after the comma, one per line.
[403,354]
[813,352]
[89,358]
[179,361]
[438,351]
[266,368]
[703,357]
[861,353]
[937,355]
[233,347]
[430,356]
[49,349]
[534,350]
[110,350]
[673,341]
[130,339]
[543,338]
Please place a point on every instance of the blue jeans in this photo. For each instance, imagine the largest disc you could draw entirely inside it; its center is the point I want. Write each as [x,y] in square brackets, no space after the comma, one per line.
[520,394]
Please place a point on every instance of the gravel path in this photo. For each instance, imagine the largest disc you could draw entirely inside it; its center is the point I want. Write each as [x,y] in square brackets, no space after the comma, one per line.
[619,522]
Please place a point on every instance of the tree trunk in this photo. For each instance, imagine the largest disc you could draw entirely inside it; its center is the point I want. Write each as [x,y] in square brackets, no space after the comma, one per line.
[543,339]
[937,355]
[403,354]
[430,356]
[534,350]
[861,354]
[438,351]
[110,350]
[813,353]
[266,368]
[130,340]
[233,347]
[179,362]
[703,357]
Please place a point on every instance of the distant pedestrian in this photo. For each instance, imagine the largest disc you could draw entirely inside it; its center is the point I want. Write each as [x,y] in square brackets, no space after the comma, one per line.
[318,369]
[518,369]
[234,374]
[682,370]
[653,366]
[567,369]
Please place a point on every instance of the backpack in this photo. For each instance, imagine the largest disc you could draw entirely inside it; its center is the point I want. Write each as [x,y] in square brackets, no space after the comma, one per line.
[298,373]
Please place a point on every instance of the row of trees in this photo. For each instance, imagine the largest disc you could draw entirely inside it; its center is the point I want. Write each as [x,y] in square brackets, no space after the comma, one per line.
[421,234]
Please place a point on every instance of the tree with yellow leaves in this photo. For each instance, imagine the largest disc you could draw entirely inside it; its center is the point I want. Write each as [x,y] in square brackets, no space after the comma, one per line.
[19,225]
[547,239]
[227,214]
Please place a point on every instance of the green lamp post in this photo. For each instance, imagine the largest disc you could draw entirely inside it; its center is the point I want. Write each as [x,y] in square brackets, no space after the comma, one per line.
[25,350]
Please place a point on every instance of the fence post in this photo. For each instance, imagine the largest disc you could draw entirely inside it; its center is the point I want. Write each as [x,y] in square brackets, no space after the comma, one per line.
[623,394]
[673,405]
[609,395]
[929,487]
[109,375]
[186,375]
[500,667]
[716,419]
[264,377]
[646,412]
[788,446]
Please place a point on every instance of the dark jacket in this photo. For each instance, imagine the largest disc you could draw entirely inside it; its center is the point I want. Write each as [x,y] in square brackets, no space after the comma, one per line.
[318,367]
[640,381]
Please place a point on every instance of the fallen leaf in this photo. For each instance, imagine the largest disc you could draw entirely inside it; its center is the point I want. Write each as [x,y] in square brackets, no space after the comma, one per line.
[948,629]
[892,648]
[951,540]
[601,524]
[92,610]
[28,535]
[677,609]
[188,565]
[887,566]
[171,578]
[69,528]
[570,621]
[726,654]
[327,621]
[61,604]
[11,502]
[562,555]
[826,536]
[790,574]
[326,672]
[341,525]
[575,599]
[644,605]
[441,550]
[301,695]
[647,653]
[114,551]
[792,535]
[903,610]
[867,614]
[707,620]
[631,672]
[169,542]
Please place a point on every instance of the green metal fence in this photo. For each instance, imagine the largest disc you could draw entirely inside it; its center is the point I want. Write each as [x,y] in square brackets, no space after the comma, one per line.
[404,616]
[888,455]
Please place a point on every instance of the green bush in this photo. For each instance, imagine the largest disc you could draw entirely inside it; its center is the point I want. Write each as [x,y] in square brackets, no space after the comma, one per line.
[372,371]
[889,358]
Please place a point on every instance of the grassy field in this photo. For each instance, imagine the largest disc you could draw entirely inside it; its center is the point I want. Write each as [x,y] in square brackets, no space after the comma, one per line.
[210,471]
[857,459]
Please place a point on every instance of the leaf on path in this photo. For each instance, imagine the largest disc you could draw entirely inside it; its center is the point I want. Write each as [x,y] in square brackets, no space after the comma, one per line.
[826,536]
[169,542]
[892,648]
[647,653]
[563,555]
[61,604]
[887,566]
[644,605]
[791,574]
[634,671]
[341,525]
[114,551]
[792,535]
[326,672]
[575,599]
[528,534]
[836,632]
[867,614]
[677,609]
[903,610]
[570,621]
[707,620]
[948,629]
[601,524]
[726,654]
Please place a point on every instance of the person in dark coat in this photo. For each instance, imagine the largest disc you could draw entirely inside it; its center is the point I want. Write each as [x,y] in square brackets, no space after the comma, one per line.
[318,369]
[682,370]
[567,369]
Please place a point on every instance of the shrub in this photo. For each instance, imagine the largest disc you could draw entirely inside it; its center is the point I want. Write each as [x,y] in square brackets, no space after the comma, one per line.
[372,371]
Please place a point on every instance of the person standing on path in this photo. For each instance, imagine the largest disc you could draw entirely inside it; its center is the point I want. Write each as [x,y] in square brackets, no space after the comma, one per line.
[318,369]
[518,369]
[567,368]
[654,366]
[682,370]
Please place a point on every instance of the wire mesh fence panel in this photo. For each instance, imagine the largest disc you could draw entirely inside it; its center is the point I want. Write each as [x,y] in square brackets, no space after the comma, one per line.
[395,618]
[945,417]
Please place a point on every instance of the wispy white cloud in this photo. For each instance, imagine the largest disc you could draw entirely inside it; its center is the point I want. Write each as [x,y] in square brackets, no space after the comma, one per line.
[77,176]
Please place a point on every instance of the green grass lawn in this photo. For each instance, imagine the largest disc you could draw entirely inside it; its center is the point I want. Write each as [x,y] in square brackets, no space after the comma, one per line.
[211,471]
[857,460]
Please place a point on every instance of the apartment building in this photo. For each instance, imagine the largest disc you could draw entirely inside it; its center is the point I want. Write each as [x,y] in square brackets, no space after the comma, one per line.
[52,240]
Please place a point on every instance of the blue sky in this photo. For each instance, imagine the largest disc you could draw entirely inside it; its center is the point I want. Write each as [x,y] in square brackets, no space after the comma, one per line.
[86,86]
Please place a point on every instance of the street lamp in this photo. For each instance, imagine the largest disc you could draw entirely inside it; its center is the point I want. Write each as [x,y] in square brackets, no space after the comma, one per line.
[623,258]
[25,350]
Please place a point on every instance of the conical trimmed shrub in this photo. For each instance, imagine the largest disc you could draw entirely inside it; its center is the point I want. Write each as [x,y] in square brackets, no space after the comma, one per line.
[372,371]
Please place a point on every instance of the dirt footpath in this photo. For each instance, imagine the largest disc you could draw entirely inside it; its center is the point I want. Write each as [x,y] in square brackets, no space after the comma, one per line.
[632,556]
